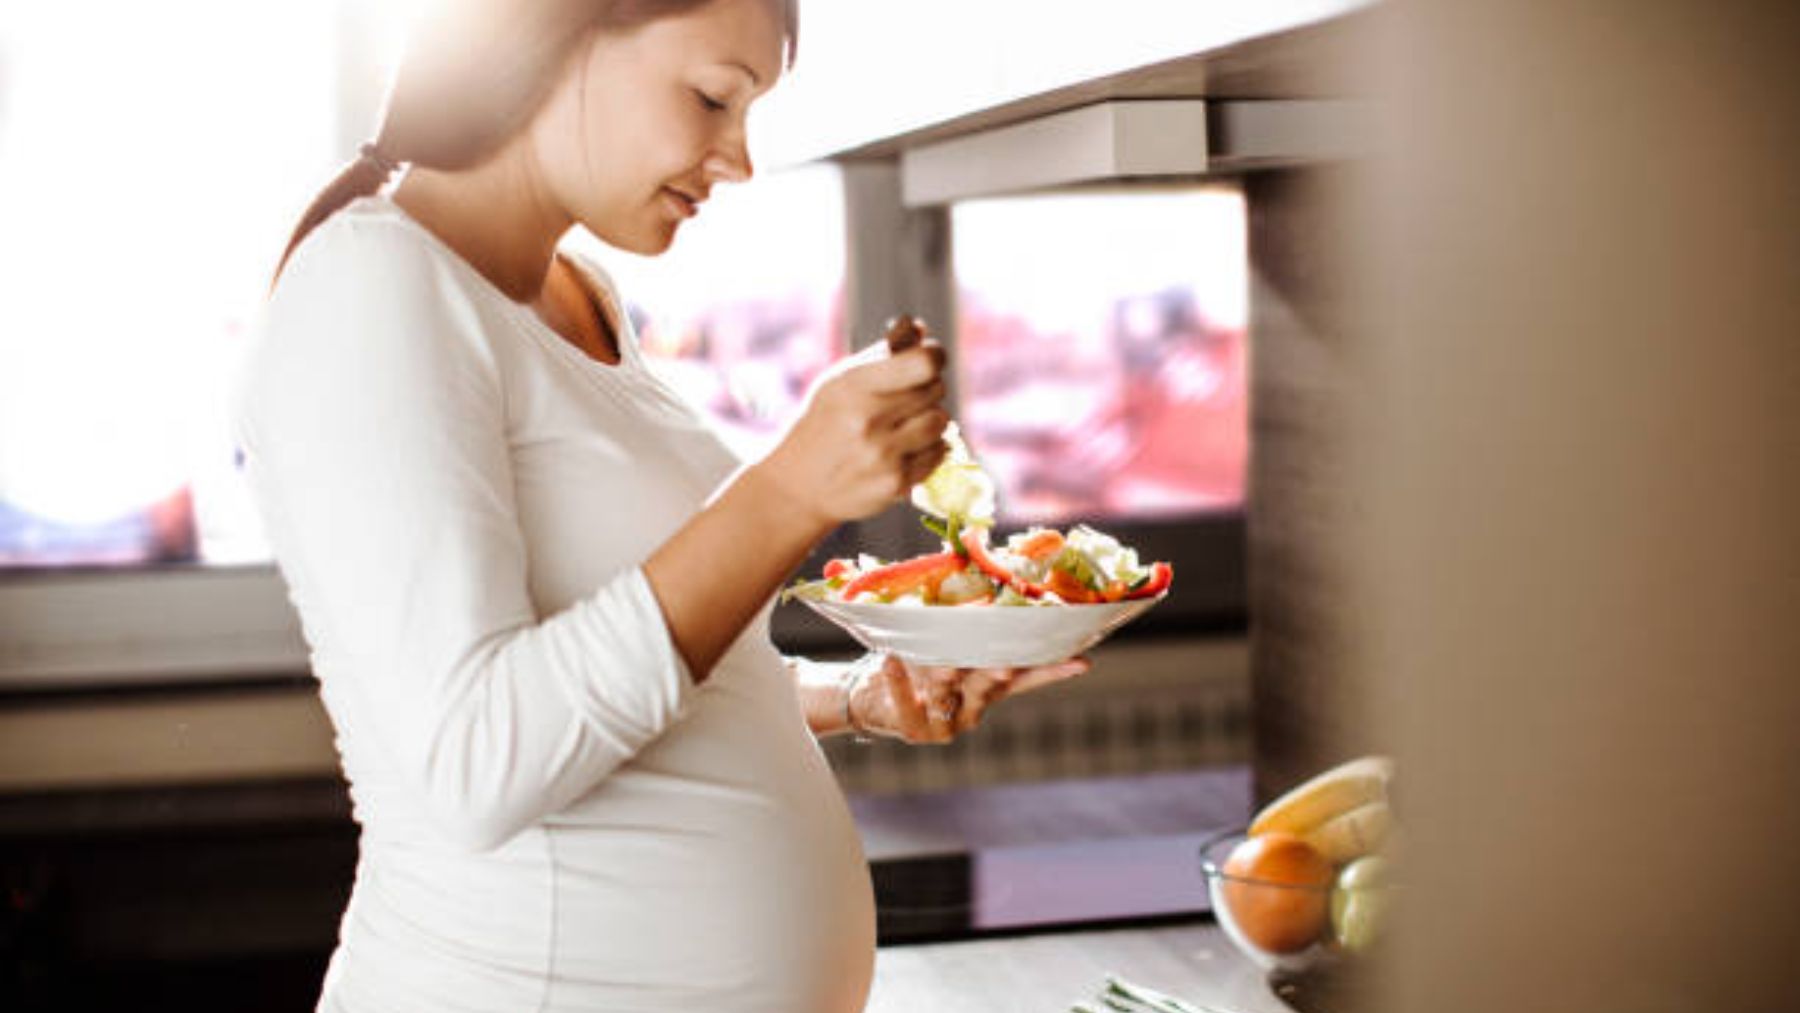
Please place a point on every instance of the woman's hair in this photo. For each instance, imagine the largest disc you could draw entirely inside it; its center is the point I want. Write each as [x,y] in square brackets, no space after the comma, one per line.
[474,73]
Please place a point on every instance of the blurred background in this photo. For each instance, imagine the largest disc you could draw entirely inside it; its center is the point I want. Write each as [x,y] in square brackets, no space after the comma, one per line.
[1452,357]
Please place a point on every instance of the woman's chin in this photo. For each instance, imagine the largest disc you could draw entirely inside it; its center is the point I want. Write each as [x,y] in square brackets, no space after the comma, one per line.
[646,242]
[661,242]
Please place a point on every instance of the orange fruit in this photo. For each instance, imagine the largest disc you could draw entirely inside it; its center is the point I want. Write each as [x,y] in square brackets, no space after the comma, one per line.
[1279,890]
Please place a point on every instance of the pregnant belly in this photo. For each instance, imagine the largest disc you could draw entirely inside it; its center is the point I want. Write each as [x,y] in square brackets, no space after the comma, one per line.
[692,890]
[719,869]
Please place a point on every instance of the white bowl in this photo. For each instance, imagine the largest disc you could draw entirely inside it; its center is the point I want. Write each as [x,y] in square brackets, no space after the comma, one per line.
[978,636]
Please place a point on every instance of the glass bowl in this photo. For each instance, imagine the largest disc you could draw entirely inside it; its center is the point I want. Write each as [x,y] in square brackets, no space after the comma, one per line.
[1290,927]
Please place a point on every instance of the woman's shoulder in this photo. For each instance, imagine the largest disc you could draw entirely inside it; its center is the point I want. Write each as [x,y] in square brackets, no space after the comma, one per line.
[369,273]
[370,289]
[370,246]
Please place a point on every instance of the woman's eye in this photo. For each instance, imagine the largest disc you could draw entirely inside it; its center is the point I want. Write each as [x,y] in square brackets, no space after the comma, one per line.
[709,102]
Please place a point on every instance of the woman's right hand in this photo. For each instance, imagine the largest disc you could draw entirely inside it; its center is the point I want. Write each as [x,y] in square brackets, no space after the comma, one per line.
[871,428]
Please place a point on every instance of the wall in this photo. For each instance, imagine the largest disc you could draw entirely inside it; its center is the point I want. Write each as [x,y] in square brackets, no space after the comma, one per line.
[1579,449]
[1311,707]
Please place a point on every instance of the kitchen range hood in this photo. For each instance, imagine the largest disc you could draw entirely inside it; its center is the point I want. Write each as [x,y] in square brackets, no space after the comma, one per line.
[1124,140]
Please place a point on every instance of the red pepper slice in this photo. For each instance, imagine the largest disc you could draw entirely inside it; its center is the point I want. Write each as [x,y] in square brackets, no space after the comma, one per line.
[1161,575]
[975,540]
[897,579]
[1065,586]
[838,567]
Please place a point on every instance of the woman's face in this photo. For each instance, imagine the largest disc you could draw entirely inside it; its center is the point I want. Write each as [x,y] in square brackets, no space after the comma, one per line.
[648,120]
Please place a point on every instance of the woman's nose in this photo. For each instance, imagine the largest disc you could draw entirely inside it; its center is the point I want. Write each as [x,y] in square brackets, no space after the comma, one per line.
[730,162]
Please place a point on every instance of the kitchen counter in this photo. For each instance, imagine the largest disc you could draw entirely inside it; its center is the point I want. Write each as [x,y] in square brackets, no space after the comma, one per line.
[1024,898]
[1047,973]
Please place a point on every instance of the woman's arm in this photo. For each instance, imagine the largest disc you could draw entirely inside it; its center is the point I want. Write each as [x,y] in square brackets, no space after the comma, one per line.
[870,431]
[823,695]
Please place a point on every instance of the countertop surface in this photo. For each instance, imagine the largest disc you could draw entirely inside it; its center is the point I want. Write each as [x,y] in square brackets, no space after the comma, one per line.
[1048,973]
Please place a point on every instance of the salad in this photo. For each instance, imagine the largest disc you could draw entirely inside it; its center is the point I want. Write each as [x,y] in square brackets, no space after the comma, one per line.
[1036,567]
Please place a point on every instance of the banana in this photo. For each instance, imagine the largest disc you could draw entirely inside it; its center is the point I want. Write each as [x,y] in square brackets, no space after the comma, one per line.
[1336,791]
[1352,834]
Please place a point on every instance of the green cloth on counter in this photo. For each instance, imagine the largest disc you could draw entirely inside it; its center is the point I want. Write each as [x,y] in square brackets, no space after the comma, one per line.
[1121,996]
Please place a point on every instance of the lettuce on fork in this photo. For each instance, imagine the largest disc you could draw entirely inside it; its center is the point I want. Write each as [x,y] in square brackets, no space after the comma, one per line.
[959,493]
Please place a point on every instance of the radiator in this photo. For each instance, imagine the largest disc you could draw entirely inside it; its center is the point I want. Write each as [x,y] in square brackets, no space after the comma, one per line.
[1144,708]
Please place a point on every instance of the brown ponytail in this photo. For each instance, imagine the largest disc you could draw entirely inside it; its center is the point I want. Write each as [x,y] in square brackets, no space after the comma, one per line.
[474,73]
[361,178]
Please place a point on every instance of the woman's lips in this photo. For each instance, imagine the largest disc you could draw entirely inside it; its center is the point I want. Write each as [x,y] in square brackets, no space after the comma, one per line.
[683,205]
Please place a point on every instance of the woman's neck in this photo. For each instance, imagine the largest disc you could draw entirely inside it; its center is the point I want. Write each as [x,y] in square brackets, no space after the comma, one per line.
[497,216]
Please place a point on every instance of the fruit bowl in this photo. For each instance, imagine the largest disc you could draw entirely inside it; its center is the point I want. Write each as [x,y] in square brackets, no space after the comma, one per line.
[1303,920]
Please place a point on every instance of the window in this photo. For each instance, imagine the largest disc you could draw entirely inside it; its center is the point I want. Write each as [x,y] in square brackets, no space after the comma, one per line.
[152,158]
[1101,352]
[1102,359]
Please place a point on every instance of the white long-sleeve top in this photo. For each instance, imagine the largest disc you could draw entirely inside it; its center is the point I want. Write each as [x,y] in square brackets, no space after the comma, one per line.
[554,816]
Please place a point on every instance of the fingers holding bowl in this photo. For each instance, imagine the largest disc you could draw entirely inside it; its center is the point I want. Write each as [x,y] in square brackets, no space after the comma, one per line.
[933,704]
[943,701]
[980,689]
[957,699]
[911,702]
[1024,680]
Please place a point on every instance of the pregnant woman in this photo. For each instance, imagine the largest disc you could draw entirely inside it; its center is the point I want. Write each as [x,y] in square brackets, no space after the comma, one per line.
[535,586]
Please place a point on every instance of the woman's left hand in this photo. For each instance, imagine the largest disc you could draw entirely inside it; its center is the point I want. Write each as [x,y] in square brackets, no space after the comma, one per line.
[923,704]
